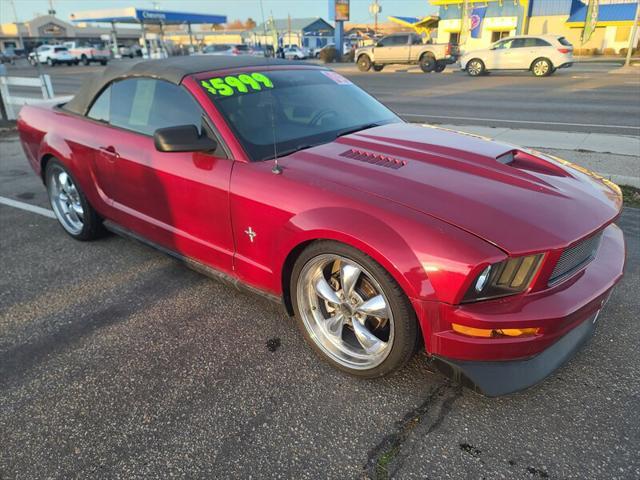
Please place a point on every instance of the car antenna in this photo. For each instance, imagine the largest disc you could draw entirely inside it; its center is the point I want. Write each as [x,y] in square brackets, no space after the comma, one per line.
[276,170]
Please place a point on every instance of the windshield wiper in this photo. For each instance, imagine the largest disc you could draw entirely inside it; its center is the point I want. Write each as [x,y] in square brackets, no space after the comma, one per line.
[356,129]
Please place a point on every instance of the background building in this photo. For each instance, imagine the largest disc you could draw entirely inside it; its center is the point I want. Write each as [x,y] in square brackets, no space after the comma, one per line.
[562,17]
[311,33]
[49,29]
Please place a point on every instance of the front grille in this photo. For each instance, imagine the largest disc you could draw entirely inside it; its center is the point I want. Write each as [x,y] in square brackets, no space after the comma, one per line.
[575,258]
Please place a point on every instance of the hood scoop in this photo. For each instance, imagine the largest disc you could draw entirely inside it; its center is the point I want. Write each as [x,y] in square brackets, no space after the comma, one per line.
[374,158]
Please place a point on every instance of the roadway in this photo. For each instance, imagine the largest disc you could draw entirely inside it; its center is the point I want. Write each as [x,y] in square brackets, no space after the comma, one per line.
[584,98]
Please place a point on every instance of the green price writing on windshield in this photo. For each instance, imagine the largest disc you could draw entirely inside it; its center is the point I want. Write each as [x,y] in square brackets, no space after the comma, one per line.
[227,86]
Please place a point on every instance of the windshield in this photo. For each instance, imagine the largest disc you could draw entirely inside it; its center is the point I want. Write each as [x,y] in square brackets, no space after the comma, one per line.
[294,108]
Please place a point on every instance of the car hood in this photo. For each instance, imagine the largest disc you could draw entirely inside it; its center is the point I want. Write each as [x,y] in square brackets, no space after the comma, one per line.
[518,200]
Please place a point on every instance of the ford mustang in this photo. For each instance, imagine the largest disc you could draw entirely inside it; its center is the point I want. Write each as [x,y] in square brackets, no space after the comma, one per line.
[379,236]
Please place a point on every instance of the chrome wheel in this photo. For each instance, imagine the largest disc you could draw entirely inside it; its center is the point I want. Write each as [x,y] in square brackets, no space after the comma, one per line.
[345,311]
[541,68]
[474,68]
[65,200]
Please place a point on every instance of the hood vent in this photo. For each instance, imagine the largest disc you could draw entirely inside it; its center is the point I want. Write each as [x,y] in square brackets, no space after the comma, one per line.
[374,158]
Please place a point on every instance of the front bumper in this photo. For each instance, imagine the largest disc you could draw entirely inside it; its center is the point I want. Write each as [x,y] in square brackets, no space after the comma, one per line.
[561,313]
[501,378]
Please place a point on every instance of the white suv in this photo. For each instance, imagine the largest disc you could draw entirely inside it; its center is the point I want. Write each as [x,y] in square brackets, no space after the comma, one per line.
[542,55]
[52,55]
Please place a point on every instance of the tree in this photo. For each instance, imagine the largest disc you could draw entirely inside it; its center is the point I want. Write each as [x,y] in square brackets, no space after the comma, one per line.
[235,25]
[250,24]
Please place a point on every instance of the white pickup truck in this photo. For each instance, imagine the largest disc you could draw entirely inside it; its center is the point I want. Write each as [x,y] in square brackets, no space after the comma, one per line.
[407,48]
[87,53]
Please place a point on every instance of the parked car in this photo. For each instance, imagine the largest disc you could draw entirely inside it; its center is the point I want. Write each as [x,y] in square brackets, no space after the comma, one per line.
[52,55]
[378,235]
[406,48]
[223,49]
[293,52]
[126,51]
[541,55]
[10,55]
[262,51]
[88,53]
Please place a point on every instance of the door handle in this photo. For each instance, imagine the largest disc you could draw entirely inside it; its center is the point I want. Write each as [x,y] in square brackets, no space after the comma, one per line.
[111,150]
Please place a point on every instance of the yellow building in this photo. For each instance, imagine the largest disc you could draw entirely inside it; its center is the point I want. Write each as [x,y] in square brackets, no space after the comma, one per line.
[514,17]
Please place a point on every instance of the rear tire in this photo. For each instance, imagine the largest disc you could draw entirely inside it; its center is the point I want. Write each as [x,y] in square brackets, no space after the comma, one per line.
[475,67]
[427,62]
[84,59]
[541,67]
[70,205]
[364,63]
[103,62]
[440,66]
[339,331]
[378,68]
[50,62]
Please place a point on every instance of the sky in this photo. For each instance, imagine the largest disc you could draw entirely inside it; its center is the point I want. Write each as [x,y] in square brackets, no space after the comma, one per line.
[234,9]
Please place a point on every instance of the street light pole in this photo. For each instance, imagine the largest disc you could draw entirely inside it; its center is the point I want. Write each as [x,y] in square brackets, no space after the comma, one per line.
[15,18]
[632,36]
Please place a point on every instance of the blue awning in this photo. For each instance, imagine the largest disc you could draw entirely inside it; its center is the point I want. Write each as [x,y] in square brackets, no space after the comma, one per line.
[138,15]
[617,12]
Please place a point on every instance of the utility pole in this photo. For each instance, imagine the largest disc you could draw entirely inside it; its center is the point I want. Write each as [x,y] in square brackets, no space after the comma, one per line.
[632,36]
[288,29]
[15,18]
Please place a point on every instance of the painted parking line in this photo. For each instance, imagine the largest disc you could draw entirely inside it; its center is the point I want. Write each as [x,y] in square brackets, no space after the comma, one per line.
[499,120]
[45,212]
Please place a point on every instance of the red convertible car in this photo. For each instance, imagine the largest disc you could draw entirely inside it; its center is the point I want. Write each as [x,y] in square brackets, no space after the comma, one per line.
[380,236]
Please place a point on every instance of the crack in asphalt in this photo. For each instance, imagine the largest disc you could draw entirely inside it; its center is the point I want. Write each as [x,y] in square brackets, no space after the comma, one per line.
[439,401]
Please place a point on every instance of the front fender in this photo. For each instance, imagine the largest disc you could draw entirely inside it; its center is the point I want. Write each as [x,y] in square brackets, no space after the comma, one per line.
[352,227]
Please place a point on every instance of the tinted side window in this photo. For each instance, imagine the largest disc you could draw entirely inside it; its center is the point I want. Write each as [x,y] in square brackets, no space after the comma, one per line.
[565,42]
[100,108]
[401,40]
[144,105]
[519,43]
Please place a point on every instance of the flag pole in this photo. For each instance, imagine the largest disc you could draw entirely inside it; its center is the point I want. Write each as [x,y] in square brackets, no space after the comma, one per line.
[632,36]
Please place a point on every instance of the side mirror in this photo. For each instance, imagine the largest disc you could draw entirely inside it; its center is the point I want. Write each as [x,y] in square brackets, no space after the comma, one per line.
[184,138]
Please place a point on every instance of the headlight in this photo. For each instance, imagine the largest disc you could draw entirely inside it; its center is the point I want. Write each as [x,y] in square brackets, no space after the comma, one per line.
[508,277]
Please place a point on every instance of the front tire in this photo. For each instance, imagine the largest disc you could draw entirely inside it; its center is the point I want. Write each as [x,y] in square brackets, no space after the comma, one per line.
[541,67]
[364,63]
[69,204]
[440,66]
[50,62]
[351,311]
[84,59]
[475,67]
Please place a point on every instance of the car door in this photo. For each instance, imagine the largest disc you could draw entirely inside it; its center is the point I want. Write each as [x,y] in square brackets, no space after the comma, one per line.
[176,200]
[501,55]
[392,49]
[520,54]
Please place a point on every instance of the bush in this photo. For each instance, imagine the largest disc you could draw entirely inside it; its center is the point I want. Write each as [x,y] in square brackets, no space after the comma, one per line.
[328,55]
[609,51]
[623,52]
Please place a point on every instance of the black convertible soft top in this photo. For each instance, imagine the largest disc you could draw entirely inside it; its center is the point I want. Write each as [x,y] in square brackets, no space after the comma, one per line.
[172,69]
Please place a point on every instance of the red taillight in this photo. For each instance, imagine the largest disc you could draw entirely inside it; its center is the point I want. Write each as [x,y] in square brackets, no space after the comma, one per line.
[564,50]
[448,49]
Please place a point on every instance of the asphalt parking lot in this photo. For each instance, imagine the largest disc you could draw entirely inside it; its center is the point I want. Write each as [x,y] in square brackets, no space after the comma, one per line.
[119,362]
